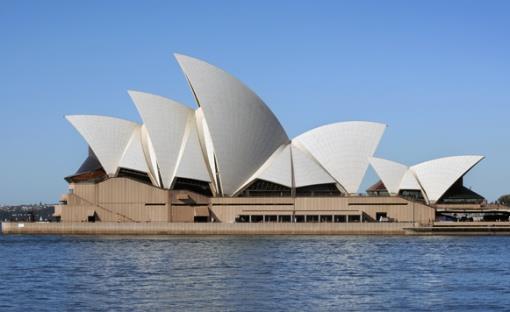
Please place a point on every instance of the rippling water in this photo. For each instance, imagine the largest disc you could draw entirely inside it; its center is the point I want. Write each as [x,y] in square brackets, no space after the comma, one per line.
[293,273]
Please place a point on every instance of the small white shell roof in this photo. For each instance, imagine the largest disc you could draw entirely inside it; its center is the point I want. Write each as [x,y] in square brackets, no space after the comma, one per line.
[438,175]
[409,181]
[166,122]
[279,167]
[133,157]
[291,166]
[343,149]
[307,170]
[106,136]
[244,131]
[433,177]
[390,172]
[192,163]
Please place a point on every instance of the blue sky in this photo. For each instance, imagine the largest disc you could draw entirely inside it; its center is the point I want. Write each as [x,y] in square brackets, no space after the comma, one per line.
[437,72]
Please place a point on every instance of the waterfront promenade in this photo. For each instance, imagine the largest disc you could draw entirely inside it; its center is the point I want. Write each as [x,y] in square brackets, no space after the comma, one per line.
[369,228]
[106,228]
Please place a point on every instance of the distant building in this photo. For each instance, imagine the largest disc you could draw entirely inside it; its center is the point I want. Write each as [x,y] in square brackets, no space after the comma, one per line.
[230,160]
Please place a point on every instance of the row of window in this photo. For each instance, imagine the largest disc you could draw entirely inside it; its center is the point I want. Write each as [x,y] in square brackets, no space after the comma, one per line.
[298,218]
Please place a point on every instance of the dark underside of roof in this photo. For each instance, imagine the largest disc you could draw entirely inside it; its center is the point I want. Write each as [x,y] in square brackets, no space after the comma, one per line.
[90,170]
[458,193]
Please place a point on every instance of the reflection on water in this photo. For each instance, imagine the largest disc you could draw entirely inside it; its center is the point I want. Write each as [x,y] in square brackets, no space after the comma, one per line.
[254,273]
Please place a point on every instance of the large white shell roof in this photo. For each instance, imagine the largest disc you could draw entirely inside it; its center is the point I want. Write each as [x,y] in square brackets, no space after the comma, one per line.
[108,137]
[166,122]
[343,149]
[233,138]
[438,175]
[244,131]
[433,177]
[390,172]
[133,156]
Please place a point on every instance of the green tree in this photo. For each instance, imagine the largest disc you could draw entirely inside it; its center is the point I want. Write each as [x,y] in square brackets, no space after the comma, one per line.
[504,199]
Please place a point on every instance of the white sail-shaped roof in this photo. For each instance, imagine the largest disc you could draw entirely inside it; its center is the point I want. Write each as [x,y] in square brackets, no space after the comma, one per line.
[233,138]
[165,121]
[409,181]
[390,172]
[306,170]
[108,137]
[432,177]
[191,163]
[438,175]
[277,169]
[343,149]
[244,131]
[133,157]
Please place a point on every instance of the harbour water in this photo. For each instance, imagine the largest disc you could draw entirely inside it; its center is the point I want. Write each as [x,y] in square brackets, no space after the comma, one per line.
[270,273]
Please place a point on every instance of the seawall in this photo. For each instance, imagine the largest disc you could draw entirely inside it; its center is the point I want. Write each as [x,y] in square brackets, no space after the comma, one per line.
[104,228]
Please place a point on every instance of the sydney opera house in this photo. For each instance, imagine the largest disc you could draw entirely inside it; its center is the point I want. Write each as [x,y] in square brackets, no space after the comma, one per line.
[230,160]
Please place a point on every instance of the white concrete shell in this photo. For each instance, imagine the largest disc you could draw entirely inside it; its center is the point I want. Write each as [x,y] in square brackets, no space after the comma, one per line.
[390,172]
[409,182]
[244,131]
[277,169]
[106,136]
[292,167]
[432,177]
[166,122]
[192,163]
[133,157]
[438,175]
[306,169]
[343,149]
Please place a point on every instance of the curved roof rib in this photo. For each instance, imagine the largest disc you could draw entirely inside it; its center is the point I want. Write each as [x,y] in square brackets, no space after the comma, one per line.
[150,156]
[343,149]
[165,121]
[244,131]
[390,172]
[204,138]
[108,137]
[438,175]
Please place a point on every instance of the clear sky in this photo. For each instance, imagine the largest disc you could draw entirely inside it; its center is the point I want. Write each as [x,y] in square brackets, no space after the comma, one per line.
[437,72]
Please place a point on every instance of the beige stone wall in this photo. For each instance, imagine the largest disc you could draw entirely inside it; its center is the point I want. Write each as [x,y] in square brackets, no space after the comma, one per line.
[398,209]
[228,213]
[86,191]
[126,191]
[116,200]
[126,200]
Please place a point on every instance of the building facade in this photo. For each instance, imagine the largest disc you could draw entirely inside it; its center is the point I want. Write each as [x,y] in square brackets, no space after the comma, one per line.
[230,160]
